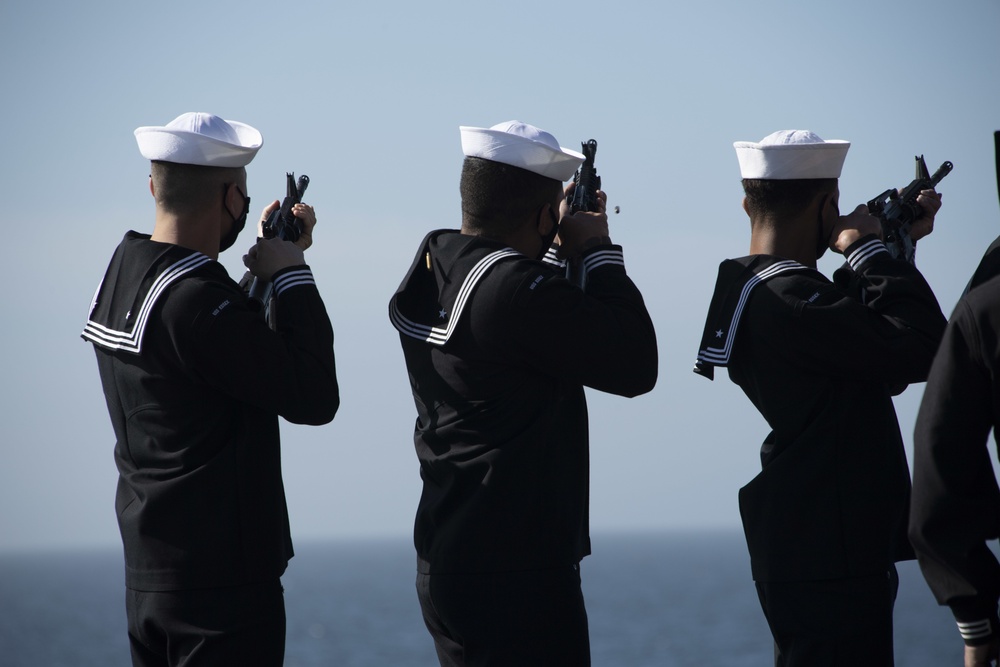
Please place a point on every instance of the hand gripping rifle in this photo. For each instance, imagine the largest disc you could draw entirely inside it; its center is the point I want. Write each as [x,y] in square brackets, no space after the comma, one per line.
[897,211]
[584,199]
[283,225]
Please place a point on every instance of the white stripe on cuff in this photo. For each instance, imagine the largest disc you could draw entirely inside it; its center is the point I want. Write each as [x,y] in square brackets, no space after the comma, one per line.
[865,252]
[293,278]
[975,629]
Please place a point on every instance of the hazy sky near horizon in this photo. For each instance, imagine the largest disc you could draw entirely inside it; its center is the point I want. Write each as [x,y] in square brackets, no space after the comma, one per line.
[366,98]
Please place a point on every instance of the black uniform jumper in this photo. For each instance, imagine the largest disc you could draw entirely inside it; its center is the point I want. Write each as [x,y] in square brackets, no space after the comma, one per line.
[820,361]
[499,348]
[195,382]
[956,502]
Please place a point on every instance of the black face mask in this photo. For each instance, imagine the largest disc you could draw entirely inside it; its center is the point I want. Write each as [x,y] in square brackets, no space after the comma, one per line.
[238,223]
[823,242]
[550,237]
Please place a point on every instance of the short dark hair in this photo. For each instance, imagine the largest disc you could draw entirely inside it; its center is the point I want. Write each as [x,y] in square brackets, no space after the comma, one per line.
[187,188]
[783,198]
[496,196]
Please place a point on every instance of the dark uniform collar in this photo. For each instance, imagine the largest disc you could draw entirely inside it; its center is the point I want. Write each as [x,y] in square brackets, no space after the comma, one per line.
[736,280]
[445,273]
[139,273]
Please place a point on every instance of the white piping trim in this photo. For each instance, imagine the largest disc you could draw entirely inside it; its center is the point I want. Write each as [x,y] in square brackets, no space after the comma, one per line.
[974,629]
[132,341]
[603,257]
[866,252]
[719,356]
[438,335]
[293,278]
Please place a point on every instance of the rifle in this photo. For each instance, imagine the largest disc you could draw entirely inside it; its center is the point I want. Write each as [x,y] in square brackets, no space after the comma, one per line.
[283,225]
[897,211]
[584,199]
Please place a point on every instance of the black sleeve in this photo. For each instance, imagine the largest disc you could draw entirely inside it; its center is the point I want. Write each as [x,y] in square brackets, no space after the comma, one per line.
[956,503]
[879,320]
[602,338]
[290,372]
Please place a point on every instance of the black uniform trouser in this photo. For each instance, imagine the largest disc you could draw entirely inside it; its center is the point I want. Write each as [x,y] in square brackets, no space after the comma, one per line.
[239,625]
[526,619]
[836,623]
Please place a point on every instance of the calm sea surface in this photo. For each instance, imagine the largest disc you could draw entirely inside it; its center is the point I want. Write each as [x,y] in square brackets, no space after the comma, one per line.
[671,599]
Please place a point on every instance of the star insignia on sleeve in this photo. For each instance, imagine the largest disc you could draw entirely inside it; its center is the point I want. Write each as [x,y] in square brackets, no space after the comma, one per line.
[720,333]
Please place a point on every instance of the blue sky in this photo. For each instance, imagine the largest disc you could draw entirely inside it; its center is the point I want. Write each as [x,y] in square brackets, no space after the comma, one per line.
[366,99]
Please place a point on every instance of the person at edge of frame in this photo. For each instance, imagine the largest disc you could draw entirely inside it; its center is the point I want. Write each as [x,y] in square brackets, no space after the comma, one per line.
[195,381]
[955,508]
[989,264]
[825,520]
[499,346]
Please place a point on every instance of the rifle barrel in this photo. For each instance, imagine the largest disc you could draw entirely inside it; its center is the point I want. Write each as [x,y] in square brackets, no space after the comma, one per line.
[942,171]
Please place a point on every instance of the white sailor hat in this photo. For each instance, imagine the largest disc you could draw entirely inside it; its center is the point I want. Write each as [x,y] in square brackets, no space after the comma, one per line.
[791,154]
[201,139]
[521,145]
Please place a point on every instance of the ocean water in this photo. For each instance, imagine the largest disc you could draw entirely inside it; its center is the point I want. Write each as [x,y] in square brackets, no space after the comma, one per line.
[670,599]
